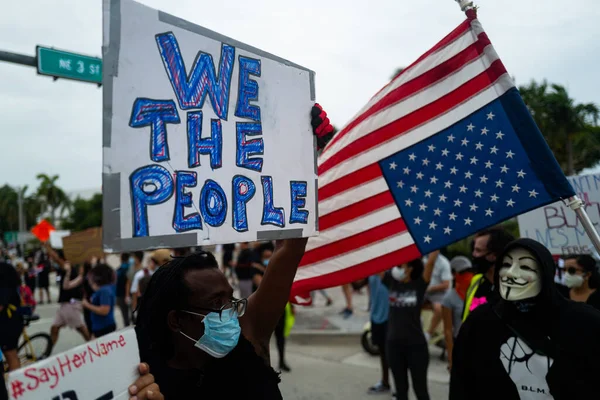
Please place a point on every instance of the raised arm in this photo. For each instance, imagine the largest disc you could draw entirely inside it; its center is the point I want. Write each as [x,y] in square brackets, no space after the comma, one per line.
[54,255]
[428,271]
[266,305]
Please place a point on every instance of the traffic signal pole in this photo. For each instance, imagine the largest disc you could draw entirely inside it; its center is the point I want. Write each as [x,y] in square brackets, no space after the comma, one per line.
[16,58]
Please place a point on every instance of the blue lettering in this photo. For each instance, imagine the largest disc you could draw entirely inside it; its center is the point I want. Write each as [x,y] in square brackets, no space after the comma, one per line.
[212,145]
[243,191]
[149,185]
[298,195]
[248,89]
[213,203]
[271,214]
[156,113]
[191,90]
[182,222]
[246,148]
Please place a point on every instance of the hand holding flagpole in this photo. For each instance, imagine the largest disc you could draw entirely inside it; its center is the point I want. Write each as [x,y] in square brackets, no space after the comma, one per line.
[465,5]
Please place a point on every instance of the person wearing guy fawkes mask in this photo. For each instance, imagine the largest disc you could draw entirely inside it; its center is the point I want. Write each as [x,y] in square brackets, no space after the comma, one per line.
[487,246]
[532,344]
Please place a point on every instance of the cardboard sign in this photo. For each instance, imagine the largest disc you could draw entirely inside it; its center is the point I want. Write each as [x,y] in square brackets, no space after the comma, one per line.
[557,227]
[99,370]
[206,140]
[82,246]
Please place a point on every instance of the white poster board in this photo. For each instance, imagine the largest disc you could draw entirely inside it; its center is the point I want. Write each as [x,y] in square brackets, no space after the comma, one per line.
[557,227]
[206,139]
[102,369]
[56,238]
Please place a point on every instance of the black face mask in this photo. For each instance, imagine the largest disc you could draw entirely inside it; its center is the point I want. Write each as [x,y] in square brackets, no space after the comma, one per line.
[482,264]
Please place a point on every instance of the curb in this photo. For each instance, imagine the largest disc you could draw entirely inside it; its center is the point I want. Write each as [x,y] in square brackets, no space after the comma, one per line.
[325,337]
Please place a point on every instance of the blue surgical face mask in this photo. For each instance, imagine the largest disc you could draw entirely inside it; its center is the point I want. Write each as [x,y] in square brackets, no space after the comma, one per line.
[266,262]
[221,334]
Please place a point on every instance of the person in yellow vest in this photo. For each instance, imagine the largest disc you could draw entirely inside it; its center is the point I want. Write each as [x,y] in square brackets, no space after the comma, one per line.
[487,247]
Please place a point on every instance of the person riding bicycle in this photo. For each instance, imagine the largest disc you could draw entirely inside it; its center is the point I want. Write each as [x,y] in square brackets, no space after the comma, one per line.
[10,320]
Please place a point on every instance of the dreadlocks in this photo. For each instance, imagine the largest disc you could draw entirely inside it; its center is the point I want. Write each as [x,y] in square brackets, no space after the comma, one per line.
[166,291]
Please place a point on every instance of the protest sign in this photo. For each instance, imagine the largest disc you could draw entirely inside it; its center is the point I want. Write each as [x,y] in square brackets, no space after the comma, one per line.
[206,140]
[81,247]
[557,227]
[56,238]
[102,369]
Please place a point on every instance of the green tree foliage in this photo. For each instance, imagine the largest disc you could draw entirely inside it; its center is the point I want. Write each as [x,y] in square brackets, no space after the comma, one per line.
[52,196]
[85,214]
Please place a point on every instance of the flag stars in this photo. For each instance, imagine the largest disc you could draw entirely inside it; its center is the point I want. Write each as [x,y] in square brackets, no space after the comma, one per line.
[484,131]
[459,157]
[470,128]
[468,221]
[439,166]
[448,185]
[457,203]
[478,193]
[499,183]
[468,175]
[516,188]
[494,150]
[431,148]
[393,165]
[494,198]
[432,225]
[478,146]
[418,221]
[427,239]
[490,116]
[489,212]
[453,171]
[483,179]
[464,142]
[510,203]
[504,169]
[509,154]
[447,230]
[442,198]
[437,212]
[451,138]
[400,184]
[474,160]
[499,135]
[428,193]
[452,217]
[412,157]
[406,170]
[425,162]
[408,202]
[423,207]
[420,175]
[433,180]
[521,174]
[445,152]
[489,164]
[533,193]
[463,189]
[473,207]
[414,189]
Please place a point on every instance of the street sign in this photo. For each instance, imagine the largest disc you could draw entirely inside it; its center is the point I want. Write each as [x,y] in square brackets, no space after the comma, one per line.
[11,237]
[62,64]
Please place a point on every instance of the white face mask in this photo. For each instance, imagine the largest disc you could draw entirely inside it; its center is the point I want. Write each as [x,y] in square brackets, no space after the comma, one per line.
[398,273]
[573,281]
[519,275]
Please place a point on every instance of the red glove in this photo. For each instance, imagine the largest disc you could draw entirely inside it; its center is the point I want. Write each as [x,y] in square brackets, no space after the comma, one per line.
[322,127]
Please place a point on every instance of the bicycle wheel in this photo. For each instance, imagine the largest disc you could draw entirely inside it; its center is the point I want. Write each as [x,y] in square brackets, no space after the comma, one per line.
[38,347]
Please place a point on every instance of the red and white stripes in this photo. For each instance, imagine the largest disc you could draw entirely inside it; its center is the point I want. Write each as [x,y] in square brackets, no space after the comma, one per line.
[361,229]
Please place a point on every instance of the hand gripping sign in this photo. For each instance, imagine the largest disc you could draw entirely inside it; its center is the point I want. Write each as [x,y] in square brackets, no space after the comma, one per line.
[99,370]
[206,140]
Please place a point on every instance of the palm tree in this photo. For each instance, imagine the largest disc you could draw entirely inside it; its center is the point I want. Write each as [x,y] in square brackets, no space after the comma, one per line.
[52,196]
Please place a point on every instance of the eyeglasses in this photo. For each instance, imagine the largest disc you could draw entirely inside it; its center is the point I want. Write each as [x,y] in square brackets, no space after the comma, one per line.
[572,270]
[227,311]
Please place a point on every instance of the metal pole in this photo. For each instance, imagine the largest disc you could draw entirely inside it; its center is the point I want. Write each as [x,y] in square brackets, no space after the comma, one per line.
[576,204]
[18,58]
[21,219]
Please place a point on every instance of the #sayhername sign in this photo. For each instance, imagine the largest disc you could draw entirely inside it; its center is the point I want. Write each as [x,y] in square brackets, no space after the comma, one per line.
[206,139]
[102,369]
[557,227]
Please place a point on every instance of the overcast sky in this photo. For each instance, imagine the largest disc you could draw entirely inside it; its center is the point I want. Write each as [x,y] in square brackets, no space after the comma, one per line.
[55,127]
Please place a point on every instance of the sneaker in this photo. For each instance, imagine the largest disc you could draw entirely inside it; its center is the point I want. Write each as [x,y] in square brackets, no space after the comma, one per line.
[346,313]
[284,367]
[378,388]
[329,302]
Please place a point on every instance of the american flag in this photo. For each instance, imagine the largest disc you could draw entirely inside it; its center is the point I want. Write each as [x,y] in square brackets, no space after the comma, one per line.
[446,149]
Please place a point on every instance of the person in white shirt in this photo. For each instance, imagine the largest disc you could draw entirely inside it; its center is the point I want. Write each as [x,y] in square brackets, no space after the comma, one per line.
[441,281]
[157,258]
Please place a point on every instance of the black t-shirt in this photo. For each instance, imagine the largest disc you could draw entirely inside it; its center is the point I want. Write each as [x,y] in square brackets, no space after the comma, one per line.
[9,285]
[406,300]
[65,295]
[243,269]
[593,300]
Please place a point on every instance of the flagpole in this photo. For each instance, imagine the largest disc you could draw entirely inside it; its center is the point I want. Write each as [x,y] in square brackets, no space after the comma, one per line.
[576,204]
